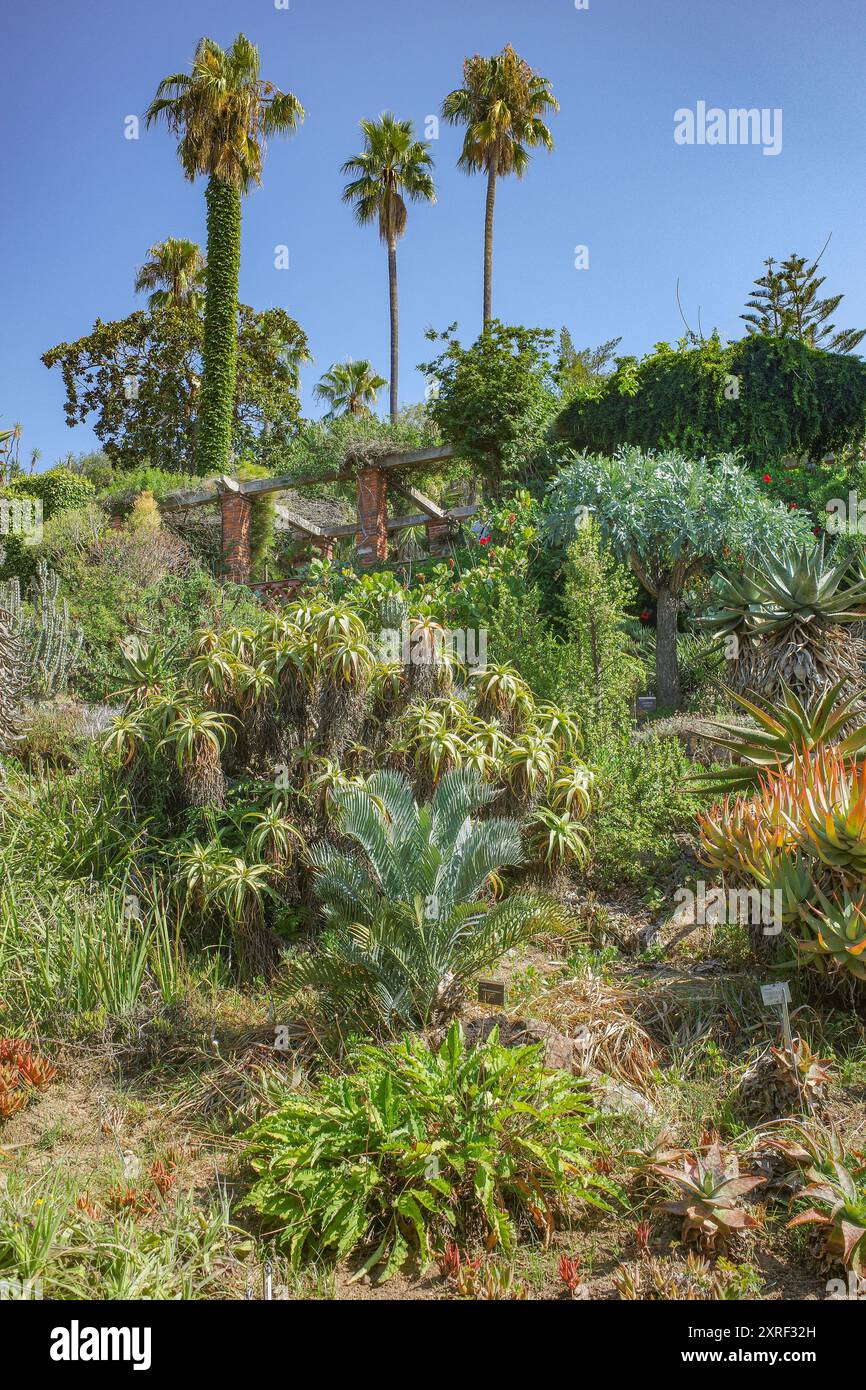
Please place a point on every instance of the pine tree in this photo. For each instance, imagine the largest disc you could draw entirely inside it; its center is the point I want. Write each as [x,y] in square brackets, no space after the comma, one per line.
[785,304]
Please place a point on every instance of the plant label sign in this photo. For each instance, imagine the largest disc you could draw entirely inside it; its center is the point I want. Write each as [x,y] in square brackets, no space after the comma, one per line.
[491,992]
[777,994]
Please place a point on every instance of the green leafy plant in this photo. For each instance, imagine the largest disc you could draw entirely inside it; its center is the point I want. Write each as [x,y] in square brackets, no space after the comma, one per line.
[407,924]
[415,1146]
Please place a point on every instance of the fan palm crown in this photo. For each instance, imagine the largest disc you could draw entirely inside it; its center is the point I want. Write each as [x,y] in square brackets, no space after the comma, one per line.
[175,272]
[392,167]
[349,388]
[502,104]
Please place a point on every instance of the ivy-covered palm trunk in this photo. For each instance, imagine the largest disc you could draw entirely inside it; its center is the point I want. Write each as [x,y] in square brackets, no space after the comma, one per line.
[214,437]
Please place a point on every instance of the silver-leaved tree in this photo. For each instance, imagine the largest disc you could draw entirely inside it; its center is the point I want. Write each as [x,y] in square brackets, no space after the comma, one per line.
[673,520]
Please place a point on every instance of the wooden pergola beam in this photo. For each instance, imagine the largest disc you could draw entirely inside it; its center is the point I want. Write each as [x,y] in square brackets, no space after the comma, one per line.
[259,487]
[301,523]
[430,508]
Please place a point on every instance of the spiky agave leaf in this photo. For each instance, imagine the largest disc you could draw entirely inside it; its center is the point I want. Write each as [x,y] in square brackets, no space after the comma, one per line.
[783,730]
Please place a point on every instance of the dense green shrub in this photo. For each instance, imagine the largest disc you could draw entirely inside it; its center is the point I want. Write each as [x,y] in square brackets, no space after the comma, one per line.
[57,490]
[495,400]
[641,804]
[413,1147]
[768,397]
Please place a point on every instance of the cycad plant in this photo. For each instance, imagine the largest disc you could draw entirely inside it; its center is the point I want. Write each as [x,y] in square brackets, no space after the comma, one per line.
[392,167]
[223,113]
[409,920]
[791,615]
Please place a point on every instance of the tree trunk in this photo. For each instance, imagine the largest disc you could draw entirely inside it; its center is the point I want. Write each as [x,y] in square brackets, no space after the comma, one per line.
[667,666]
[220,353]
[488,243]
[392,288]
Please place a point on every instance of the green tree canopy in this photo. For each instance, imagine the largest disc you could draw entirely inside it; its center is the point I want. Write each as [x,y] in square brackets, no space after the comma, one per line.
[138,380]
[493,401]
[784,304]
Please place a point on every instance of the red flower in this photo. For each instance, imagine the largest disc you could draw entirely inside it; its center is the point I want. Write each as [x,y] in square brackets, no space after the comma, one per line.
[792,506]
[766,478]
[646,615]
[816,531]
[484,540]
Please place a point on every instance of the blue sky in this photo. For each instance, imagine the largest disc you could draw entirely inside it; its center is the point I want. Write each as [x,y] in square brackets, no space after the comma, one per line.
[83,203]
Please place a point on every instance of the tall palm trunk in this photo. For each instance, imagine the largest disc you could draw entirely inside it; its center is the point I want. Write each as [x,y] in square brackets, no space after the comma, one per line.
[488,241]
[392,288]
[214,438]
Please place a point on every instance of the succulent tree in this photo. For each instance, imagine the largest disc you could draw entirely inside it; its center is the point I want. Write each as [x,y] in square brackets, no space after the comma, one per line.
[10,681]
[672,519]
[49,642]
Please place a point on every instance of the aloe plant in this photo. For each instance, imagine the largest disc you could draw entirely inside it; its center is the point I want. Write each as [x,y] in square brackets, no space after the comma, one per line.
[841,1195]
[791,613]
[711,1185]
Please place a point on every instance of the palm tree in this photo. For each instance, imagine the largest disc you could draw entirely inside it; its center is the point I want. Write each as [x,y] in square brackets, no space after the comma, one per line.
[350,388]
[392,166]
[175,272]
[223,113]
[501,103]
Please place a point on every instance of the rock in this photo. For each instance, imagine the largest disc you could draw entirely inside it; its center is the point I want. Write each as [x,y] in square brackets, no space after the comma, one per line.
[615,1098]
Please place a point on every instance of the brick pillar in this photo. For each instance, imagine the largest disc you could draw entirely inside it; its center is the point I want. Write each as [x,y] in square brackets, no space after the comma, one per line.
[437,536]
[325,549]
[372,535]
[237,516]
